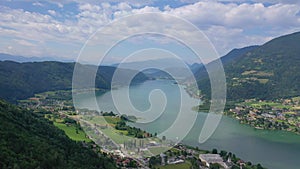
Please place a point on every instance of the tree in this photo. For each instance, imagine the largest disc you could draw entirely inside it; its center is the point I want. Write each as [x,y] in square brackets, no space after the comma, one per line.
[166,159]
[214,151]
[215,166]
[235,167]
[258,166]
[223,153]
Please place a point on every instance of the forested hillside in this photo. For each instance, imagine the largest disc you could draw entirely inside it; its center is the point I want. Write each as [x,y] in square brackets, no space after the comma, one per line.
[266,72]
[30,141]
[22,80]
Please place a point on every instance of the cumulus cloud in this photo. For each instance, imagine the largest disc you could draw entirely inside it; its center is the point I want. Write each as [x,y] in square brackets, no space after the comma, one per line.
[233,25]
[228,25]
[223,38]
[239,15]
[31,25]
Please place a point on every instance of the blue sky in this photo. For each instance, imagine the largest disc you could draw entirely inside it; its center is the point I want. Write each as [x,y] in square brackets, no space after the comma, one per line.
[60,29]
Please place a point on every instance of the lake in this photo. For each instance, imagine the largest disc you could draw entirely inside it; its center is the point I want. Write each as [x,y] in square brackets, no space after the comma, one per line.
[272,149]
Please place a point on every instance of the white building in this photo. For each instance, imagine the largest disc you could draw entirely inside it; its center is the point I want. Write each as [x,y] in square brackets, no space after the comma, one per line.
[211,159]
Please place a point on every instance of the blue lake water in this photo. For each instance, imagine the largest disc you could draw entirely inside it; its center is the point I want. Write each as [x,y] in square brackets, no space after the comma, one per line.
[272,149]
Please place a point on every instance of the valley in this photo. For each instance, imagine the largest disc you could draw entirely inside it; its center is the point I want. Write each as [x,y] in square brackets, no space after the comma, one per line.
[259,129]
[56,107]
[156,84]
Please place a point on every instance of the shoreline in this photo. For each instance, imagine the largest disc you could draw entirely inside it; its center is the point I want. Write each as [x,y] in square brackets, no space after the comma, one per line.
[69,113]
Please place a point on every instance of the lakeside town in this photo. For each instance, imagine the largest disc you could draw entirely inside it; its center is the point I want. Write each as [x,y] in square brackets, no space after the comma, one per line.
[280,114]
[128,149]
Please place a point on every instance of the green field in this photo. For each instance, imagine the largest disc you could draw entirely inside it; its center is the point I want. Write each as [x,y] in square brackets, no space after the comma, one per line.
[111,119]
[115,135]
[185,165]
[71,132]
[103,120]
[107,127]
[264,103]
[158,150]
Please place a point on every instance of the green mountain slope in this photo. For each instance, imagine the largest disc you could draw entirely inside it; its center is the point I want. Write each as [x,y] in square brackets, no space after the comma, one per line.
[266,72]
[30,141]
[234,54]
[22,80]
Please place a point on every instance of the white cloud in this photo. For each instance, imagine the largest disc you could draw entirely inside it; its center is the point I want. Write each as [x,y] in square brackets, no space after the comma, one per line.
[52,12]
[223,38]
[60,5]
[252,1]
[24,42]
[228,25]
[237,25]
[123,6]
[37,4]
[240,16]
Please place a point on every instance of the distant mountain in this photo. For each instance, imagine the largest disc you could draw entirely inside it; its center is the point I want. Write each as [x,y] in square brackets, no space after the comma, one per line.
[158,63]
[195,67]
[160,67]
[23,80]
[28,140]
[156,74]
[21,59]
[265,72]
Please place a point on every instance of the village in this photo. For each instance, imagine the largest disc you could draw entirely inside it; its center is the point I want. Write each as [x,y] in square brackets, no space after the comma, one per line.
[130,147]
[281,114]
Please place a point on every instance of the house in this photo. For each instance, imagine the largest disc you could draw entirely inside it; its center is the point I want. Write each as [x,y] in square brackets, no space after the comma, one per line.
[152,144]
[211,159]
[163,156]
[178,161]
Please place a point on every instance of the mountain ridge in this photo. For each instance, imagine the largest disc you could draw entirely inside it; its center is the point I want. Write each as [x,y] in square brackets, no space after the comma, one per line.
[22,59]
[23,80]
[267,72]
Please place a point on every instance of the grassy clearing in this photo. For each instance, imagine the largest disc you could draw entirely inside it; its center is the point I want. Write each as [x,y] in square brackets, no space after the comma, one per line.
[147,154]
[296,108]
[71,132]
[290,113]
[185,165]
[103,120]
[296,99]
[122,132]
[263,81]
[249,72]
[158,150]
[176,150]
[257,73]
[115,135]
[112,119]
[271,104]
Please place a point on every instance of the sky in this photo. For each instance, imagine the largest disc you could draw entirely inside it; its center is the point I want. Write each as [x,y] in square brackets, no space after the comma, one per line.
[60,29]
